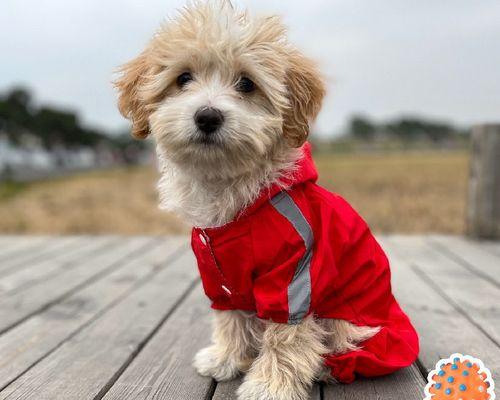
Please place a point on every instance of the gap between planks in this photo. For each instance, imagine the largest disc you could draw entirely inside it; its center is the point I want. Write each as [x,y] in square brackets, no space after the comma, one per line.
[12,248]
[60,322]
[444,329]
[470,255]
[419,310]
[22,279]
[18,308]
[40,253]
[474,294]
[102,353]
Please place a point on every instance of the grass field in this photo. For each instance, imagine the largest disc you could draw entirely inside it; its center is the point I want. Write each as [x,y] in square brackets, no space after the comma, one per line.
[402,192]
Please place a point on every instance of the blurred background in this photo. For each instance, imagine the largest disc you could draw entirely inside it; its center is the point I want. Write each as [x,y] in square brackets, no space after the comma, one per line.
[406,82]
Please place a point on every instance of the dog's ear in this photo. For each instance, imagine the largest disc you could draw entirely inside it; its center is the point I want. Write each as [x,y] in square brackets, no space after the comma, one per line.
[132,77]
[306,90]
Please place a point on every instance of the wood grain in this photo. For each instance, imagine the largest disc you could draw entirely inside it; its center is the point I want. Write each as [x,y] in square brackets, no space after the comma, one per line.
[29,342]
[86,365]
[22,278]
[443,328]
[121,324]
[405,384]
[227,391]
[49,249]
[19,306]
[10,246]
[163,370]
[471,294]
[470,255]
[483,211]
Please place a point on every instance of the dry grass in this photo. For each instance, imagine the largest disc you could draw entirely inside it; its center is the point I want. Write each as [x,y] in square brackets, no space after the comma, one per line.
[120,201]
[407,193]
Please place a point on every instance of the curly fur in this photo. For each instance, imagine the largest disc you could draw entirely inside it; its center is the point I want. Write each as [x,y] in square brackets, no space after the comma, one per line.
[208,185]
[236,336]
[256,147]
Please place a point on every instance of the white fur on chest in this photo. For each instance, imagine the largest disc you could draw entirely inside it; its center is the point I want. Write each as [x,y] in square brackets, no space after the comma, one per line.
[205,200]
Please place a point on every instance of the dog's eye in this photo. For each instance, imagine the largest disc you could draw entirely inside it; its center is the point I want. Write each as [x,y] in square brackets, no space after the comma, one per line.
[245,85]
[184,78]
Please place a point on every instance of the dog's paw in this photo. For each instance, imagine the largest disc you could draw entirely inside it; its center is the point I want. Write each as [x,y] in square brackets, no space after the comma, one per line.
[209,363]
[254,390]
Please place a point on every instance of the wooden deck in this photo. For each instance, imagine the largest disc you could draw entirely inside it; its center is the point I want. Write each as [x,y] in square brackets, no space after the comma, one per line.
[121,318]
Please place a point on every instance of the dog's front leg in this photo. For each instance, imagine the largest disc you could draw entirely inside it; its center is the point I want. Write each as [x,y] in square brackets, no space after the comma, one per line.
[234,345]
[289,360]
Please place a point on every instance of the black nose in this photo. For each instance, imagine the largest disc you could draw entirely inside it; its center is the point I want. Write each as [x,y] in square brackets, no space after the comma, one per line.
[208,120]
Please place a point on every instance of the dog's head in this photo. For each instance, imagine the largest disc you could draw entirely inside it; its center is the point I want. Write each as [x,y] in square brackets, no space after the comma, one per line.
[215,85]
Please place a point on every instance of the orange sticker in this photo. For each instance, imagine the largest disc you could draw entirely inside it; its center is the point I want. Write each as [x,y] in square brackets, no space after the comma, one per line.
[460,378]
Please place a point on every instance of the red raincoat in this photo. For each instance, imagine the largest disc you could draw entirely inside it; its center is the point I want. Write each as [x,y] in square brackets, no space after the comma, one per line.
[306,251]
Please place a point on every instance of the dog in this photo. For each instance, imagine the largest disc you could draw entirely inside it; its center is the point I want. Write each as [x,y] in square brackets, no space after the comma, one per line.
[299,287]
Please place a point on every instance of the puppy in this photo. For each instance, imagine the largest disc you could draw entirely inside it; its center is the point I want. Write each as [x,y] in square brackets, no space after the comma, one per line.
[300,288]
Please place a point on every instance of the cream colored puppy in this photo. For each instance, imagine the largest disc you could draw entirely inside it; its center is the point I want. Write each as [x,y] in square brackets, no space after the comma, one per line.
[228,101]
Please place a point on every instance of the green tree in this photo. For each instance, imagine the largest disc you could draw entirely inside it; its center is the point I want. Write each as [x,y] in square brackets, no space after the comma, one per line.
[362,128]
[417,128]
[16,110]
[51,125]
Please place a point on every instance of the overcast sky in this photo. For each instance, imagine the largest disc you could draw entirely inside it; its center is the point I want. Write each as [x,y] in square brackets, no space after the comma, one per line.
[382,58]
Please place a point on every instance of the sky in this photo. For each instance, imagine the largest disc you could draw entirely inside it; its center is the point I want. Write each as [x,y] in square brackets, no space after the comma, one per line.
[381,58]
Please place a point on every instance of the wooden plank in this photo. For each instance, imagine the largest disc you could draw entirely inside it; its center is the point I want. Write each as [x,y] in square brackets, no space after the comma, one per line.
[163,369]
[12,247]
[16,308]
[85,366]
[7,239]
[470,255]
[21,238]
[51,248]
[10,240]
[33,247]
[23,278]
[22,247]
[443,328]
[477,297]
[227,391]
[492,246]
[29,342]
[405,384]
